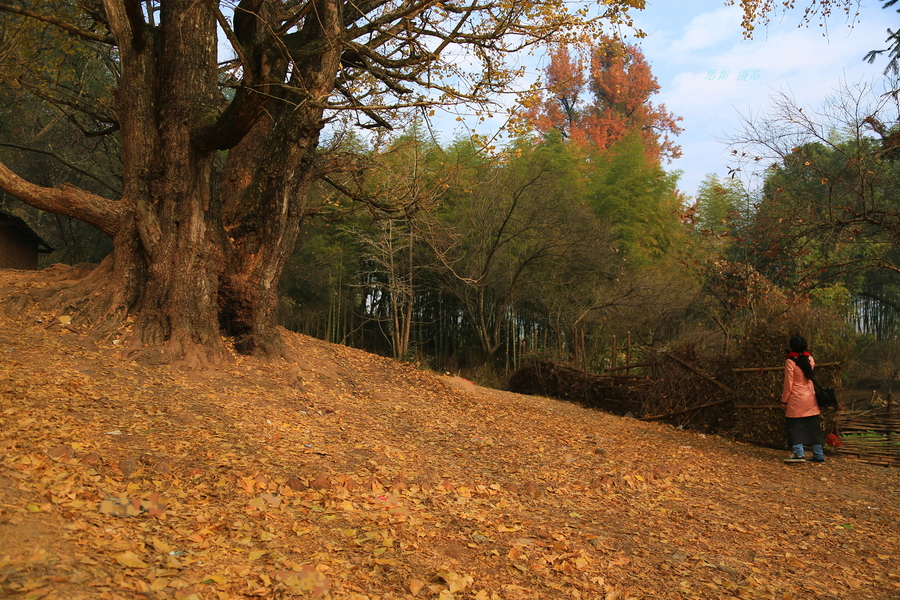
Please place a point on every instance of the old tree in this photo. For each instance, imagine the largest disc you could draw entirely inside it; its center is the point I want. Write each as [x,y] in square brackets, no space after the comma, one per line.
[218,160]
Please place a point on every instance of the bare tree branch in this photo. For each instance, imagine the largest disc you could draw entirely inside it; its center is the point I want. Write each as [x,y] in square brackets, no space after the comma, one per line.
[118,192]
[70,28]
[104,214]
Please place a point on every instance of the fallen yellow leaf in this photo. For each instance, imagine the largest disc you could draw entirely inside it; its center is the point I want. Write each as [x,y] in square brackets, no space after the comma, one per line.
[130,559]
[38,593]
[415,586]
[159,584]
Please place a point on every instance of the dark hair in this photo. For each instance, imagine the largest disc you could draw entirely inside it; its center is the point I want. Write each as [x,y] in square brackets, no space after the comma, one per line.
[798,344]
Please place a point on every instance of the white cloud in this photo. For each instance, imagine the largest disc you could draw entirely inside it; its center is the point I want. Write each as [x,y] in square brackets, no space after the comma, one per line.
[707,30]
[783,58]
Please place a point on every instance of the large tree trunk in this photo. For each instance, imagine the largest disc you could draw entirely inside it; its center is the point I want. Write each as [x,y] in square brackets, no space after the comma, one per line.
[168,87]
[196,254]
[267,180]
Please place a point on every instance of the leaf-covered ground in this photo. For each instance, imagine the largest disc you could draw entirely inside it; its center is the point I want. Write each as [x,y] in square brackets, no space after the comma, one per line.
[348,475]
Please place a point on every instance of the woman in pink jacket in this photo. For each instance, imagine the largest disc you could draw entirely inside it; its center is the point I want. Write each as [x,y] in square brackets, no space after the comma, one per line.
[801,411]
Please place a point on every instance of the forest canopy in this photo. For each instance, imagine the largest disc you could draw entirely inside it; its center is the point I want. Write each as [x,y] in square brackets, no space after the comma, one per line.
[299,183]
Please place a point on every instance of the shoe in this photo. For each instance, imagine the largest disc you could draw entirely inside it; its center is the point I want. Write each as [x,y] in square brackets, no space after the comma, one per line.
[795,458]
[817,460]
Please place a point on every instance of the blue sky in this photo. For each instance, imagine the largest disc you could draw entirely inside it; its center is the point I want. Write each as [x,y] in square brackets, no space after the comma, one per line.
[711,76]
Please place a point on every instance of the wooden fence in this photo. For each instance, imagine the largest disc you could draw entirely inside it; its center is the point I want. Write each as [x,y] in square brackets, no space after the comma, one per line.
[872,436]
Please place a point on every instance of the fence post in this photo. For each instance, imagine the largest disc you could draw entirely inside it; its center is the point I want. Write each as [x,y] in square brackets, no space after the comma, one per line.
[890,432]
[584,359]
[575,347]
[628,353]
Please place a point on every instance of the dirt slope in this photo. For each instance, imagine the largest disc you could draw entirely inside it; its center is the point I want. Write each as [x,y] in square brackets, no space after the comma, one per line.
[347,475]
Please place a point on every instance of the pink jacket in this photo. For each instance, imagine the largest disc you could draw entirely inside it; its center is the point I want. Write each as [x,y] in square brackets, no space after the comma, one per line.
[799,397]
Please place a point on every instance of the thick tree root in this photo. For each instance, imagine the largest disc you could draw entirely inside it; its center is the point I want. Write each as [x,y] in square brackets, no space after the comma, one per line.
[87,298]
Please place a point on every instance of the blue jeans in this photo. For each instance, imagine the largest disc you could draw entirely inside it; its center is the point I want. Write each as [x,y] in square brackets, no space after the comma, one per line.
[818,453]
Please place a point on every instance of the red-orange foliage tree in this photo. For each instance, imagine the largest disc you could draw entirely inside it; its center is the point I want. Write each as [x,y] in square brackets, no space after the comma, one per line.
[620,85]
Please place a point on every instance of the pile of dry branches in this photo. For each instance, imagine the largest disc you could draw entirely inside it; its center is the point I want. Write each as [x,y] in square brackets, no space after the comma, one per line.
[684,388]
[619,395]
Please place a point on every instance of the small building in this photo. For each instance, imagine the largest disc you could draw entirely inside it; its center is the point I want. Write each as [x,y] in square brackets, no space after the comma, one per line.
[19,244]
